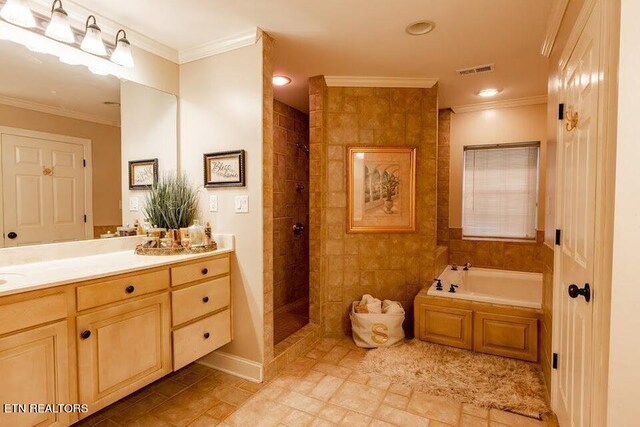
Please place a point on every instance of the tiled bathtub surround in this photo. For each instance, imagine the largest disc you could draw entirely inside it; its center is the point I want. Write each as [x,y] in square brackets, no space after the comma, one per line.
[503,255]
[444,147]
[291,204]
[346,266]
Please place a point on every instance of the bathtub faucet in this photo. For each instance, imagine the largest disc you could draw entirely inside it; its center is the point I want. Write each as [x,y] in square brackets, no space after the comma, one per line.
[453,288]
[467,266]
[454,267]
[438,284]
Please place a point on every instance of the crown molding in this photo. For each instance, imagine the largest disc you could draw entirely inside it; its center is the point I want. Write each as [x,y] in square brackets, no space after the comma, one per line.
[356,81]
[507,103]
[221,45]
[553,26]
[78,15]
[57,111]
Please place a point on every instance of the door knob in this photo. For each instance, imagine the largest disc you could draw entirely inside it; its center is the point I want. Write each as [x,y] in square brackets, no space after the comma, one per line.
[298,229]
[575,291]
[12,235]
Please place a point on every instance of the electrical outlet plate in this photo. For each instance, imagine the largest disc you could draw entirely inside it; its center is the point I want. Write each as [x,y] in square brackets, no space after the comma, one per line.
[242,204]
[213,203]
[134,206]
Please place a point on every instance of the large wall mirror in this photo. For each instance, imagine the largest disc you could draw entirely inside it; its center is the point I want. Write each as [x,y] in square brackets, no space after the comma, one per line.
[66,137]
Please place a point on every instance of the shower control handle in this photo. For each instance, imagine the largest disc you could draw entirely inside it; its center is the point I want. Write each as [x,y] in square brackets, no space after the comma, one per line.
[298,229]
[575,291]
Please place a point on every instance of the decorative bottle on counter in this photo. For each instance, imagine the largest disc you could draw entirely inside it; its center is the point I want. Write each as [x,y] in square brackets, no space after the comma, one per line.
[196,233]
[207,234]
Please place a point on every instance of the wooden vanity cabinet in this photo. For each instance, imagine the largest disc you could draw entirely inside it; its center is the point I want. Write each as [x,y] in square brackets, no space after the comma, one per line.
[97,341]
[34,368]
[122,348]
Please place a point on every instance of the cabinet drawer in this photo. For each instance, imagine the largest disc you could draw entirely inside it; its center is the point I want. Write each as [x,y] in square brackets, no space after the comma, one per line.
[200,338]
[198,300]
[199,270]
[24,314]
[121,289]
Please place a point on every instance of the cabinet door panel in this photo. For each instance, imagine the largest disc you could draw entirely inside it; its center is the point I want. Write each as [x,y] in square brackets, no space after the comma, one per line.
[128,347]
[34,368]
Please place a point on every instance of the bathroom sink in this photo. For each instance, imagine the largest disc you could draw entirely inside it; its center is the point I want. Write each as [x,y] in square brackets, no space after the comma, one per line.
[8,277]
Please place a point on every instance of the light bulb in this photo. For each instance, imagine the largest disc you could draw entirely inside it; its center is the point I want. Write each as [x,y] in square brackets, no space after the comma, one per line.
[92,41]
[280,80]
[18,12]
[122,53]
[488,93]
[59,28]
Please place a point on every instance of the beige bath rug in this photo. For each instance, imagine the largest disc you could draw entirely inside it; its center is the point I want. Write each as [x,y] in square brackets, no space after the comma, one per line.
[461,375]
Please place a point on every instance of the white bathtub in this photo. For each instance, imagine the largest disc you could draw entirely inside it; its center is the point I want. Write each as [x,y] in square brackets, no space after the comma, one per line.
[514,288]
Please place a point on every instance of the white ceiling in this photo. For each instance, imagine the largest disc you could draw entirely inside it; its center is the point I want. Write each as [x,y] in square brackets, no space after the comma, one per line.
[364,38]
[42,82]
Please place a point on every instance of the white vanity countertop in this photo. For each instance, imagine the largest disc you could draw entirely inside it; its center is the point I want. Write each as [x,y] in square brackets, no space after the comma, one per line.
[40,275]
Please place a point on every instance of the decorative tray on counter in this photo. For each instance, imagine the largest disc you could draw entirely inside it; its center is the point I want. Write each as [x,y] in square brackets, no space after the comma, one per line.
[176,251]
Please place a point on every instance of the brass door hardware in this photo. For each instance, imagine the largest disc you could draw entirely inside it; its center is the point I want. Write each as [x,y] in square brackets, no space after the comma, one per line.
[572,119]
[47,171]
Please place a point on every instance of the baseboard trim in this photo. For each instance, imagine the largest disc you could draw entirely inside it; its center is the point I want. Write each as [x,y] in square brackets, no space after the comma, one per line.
[234,365]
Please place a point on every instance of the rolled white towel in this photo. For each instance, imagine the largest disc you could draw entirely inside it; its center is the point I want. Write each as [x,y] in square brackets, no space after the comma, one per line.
[392,307]
[374,305]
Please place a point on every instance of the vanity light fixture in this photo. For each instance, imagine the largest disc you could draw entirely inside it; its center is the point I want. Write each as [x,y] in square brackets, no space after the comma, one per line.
[92,41]
[280,80]
[122,53]
[488,93]
[18,12]
[59,27]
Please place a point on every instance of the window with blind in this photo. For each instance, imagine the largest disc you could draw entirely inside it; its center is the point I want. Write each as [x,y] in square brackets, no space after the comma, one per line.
[500,191]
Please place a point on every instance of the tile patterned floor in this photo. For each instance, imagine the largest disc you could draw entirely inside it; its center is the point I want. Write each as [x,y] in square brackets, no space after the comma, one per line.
[285,323]
[322,388]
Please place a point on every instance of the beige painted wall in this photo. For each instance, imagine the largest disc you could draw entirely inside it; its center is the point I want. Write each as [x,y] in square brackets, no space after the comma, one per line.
[105,146]
[495,126]
[221,110]
[154,71]
[624,351]
[149,130]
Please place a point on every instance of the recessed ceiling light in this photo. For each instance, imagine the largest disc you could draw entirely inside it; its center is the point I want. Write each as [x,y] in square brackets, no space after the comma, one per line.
[421,27]
[488,93]
[281,80]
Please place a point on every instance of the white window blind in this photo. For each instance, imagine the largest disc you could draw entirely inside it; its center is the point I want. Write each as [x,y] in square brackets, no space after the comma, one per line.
[500,191]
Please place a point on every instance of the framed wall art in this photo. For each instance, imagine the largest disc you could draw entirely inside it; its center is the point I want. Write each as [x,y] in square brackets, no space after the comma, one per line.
[143,174]
[381,189]
[224,169]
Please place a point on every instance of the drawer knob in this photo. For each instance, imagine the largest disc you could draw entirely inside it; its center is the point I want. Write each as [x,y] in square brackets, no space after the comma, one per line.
[205,271]
[206,335]
[85,334]
[205,300]
[130,289]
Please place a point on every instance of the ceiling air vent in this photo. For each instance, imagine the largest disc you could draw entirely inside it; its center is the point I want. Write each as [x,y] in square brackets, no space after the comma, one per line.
[475,70]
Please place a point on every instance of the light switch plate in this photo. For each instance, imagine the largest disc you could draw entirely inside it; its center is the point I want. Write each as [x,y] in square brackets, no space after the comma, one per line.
[242,204]
[133,204]
[213,203]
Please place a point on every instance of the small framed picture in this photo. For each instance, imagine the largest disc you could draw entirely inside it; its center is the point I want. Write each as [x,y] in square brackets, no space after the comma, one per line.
[143,174]
[224,169]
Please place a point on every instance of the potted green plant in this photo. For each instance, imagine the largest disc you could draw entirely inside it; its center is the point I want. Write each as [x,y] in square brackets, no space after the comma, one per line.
[172,203]
[389,185]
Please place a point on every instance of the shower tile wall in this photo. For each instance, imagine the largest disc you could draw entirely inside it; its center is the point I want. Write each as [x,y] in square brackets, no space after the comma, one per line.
[291,204]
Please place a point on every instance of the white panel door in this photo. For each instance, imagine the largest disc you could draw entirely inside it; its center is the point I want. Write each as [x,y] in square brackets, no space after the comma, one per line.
[43,190]
[576,209]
